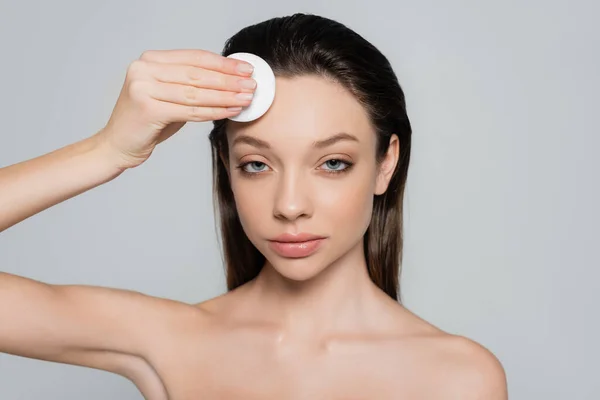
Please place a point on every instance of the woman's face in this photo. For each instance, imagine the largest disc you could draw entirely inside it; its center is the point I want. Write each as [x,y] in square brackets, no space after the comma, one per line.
[286,178]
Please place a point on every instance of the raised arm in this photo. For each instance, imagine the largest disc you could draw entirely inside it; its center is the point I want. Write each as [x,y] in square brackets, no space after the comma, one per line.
[99,327]
[32,186]
[95,327]
[162,91]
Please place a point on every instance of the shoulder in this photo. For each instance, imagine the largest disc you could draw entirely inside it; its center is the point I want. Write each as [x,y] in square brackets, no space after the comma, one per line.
[469,371]
[452,366]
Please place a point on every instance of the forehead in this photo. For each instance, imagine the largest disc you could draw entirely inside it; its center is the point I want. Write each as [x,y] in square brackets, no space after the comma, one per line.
[307,108]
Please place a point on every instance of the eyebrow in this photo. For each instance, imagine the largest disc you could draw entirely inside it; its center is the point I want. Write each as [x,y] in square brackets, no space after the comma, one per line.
[319,144]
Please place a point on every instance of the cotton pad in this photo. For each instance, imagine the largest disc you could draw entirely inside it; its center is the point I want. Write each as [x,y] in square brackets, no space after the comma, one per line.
[264,94]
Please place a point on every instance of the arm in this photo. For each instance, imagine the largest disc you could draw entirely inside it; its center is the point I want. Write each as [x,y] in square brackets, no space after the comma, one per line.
[47,322]
[95,327]
[90,326]
[202,87]
[98,327]
[32,186]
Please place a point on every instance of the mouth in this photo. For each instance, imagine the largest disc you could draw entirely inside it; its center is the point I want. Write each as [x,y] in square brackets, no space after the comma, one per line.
[296,246]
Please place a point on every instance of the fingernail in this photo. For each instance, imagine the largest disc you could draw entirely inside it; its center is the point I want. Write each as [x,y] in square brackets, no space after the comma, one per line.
[244,96]
[247,83]
[245,68]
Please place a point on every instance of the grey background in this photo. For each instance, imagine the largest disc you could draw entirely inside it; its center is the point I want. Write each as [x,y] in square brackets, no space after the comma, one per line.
[502,201]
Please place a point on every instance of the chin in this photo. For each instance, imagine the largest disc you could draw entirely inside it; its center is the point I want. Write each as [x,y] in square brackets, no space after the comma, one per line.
[304,268]
[297,269]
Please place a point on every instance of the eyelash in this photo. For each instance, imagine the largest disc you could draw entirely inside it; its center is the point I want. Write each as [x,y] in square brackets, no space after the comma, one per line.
[349,166]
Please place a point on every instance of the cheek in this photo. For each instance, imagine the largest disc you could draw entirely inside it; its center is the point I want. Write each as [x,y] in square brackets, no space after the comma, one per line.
[250,204]
[347,202]
[341,203]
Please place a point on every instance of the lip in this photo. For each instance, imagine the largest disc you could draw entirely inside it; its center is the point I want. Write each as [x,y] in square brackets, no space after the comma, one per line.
[296,246]
[296,237]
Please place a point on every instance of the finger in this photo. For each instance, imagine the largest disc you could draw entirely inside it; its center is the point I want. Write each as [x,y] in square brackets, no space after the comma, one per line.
[199,77]
[193,96]
[198,58]
[179,113]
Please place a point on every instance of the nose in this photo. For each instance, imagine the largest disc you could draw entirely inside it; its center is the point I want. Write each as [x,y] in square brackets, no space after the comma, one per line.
[292,197]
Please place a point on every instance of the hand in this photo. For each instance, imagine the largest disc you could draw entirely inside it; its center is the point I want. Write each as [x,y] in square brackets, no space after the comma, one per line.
[163,90]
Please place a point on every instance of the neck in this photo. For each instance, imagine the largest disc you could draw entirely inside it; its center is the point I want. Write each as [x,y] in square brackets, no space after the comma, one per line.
[342,298]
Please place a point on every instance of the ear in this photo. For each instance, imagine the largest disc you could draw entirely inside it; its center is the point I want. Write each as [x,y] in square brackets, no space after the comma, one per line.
[388,165]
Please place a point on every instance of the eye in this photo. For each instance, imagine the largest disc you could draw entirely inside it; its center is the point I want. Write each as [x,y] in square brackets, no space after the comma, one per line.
[335,164]
[257,164]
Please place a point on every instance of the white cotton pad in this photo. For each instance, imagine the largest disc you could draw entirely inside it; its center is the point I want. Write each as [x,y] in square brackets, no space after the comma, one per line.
[264,94]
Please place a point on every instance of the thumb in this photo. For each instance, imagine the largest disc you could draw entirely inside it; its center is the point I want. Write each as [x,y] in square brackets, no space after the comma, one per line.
[169,131]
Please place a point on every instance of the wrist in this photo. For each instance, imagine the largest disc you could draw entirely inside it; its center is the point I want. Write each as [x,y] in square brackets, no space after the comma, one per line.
[105,154]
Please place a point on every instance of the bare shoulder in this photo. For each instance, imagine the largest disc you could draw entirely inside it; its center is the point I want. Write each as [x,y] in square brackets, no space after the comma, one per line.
[444,365]
[214,305]
[223,304]
[471,371]
[463,369]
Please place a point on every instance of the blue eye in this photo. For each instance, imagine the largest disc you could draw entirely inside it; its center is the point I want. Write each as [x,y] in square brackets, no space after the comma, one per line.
[336,166]
[243,167]
[334,162]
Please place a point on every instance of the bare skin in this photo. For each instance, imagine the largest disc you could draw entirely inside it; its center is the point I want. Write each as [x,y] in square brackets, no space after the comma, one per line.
[311,328]
[224,353]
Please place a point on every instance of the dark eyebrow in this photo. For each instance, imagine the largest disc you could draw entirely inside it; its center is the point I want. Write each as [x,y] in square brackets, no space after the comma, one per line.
[319,144]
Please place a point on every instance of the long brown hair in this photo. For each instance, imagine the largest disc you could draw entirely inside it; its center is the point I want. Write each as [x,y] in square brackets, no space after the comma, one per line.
[304,44]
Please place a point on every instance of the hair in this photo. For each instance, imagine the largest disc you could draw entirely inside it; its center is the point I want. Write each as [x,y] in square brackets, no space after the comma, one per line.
[307,44]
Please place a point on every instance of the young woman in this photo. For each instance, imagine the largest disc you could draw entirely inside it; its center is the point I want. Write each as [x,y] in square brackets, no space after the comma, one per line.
[310,207]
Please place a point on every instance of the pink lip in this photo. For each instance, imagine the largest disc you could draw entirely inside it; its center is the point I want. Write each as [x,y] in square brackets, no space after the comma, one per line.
[298,237]
[296,246]
[296,249]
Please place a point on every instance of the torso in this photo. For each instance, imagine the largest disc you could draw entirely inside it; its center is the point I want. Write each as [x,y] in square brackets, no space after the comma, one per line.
[215,357]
